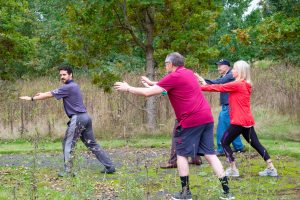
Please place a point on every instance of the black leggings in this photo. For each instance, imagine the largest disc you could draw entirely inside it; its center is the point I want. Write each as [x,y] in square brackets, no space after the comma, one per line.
[249,134]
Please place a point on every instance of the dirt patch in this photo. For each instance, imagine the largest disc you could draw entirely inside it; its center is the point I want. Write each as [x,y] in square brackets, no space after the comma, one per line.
[120,156]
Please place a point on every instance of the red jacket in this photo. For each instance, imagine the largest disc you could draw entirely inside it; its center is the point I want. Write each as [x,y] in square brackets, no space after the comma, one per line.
[239,101]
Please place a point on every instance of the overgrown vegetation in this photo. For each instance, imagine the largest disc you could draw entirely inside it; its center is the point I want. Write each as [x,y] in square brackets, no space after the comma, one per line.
[116,115]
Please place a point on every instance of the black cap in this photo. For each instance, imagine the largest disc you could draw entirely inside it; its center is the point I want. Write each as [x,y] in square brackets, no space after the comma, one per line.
[223,62]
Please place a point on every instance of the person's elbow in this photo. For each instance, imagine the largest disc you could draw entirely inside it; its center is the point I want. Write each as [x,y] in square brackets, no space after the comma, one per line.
[149,94]
[154,90]
[47,95]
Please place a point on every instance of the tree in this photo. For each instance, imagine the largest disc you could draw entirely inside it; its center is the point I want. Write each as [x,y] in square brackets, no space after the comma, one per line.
[234,35]
[278,34]
[16,39]
[150,29]
[49,23]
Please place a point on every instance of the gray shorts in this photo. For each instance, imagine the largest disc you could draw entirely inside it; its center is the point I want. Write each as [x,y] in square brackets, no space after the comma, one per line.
[198,140]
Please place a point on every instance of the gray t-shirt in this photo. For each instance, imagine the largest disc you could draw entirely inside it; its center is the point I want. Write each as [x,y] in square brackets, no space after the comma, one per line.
[72,98]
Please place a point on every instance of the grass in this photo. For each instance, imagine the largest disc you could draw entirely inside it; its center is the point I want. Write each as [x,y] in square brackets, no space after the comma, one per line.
[271,125]
[288,148]
[139,176]
[24,146]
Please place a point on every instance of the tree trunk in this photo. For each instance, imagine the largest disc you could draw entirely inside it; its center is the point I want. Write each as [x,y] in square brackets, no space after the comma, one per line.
[151,101]
[147,26]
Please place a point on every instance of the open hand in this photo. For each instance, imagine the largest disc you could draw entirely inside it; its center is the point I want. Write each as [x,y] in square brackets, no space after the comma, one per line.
[145,84]
[27,98]
[121,86]
[146,81]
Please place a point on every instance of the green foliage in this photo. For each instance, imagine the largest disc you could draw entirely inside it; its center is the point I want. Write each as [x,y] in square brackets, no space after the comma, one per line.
[111,69]
[291,8]
[185,27]
[105,79]
[279,38]
[97,31]
[269,32]
[50,46]
[85,33]
[234,35]
[16,41]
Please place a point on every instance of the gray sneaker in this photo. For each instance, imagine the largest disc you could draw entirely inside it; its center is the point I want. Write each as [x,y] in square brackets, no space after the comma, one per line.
[268,172]
[66,174]
[231,172]
[185,194]
[227,196]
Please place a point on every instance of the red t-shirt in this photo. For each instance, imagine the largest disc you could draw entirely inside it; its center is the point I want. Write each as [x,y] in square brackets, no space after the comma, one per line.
[239,101]
[190,106]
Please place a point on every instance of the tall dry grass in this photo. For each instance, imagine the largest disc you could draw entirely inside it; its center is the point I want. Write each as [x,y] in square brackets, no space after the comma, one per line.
[119,115]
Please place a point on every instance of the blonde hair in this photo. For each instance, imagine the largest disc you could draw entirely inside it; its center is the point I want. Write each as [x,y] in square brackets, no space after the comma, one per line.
[243,71]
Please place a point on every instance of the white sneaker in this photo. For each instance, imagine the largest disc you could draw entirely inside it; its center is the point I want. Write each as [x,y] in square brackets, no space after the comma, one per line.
[227,196]
[232,172]
[269,172]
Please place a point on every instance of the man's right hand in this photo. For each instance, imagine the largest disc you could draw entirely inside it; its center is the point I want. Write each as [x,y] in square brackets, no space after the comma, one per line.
[27,98]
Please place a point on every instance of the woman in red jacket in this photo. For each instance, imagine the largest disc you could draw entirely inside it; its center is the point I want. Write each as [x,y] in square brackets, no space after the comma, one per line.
[241,119]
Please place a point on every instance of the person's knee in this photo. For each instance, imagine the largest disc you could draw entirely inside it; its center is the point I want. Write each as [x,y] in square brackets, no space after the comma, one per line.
[210,158]
[224,142]
[255,145]
[94,147]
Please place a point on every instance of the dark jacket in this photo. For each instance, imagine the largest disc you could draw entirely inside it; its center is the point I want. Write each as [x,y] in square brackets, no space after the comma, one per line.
[228,77]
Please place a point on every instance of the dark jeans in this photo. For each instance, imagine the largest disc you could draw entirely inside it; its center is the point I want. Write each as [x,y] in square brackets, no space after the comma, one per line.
[80,126]
[223,124]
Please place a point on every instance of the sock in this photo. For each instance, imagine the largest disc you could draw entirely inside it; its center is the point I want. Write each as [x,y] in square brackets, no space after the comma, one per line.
[185,182]
[224,182]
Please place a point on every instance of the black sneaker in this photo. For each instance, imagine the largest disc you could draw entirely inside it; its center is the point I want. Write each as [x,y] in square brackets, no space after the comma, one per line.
[220,154]
[108,170]
[184,194]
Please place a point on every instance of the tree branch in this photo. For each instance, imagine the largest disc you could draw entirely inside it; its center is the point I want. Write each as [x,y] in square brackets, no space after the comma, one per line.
[128,27]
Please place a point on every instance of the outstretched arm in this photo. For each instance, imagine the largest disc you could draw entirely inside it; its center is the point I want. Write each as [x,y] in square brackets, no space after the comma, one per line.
[147,91]
[228,87]
[38,96]
[222,80]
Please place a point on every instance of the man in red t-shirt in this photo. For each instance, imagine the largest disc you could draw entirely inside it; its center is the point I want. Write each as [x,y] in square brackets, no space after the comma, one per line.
[194,132]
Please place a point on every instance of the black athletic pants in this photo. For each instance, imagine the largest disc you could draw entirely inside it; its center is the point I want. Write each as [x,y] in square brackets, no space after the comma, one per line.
[249,134]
